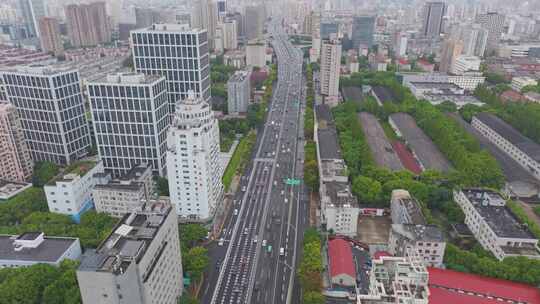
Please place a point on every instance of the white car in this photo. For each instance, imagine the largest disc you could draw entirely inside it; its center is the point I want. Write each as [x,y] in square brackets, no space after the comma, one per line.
[281,251]
[221,241]
[264,243]
[235,211]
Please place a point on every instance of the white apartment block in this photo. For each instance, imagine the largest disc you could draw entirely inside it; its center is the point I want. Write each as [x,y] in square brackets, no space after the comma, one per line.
[130,115]
[339,208]
[229,32]
[30,248]
[126,194]
[468,81]
[71,193]
[330,67]
[404,209]
[426,242]
[239,92]
[177,52]
[50,104]
[522,149]
[256,53]
[518,83]
[139,262]
[193,165]
[397,280]
[494,226]
[464,64]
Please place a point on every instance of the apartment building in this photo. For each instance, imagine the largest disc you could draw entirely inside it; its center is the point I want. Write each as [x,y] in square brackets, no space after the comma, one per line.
[426,242]
[88,24]
[71,192]
[51,40]
[518,83]
[464,64]
[494,226]
[239,92]
[193,166]
[340,208]
[522,149]
[130,115]
[16,164]
[30,248]
[404,209]
[330,69]
[125,194]
[138,263]
[51,106]
[177,52]
[256,53]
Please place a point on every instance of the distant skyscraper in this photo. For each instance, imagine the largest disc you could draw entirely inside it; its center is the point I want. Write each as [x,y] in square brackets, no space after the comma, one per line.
[16,164]
[88,24]
[229,34]
[494,24]
[193,165]
[330,65]
[177,52]
[254,22]
[240,28]
[239,92]
[451,49]
[32,11]
[51,107]
[130,115]
[363,29]
[205,16]
[145,17]
[329,28]
[51,41]
[474,40]
[433,19]
[256,53]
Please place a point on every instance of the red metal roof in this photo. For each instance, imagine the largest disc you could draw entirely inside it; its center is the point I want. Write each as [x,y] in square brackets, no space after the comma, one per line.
[406,157]
[448,286]
[380,254]
[341,260]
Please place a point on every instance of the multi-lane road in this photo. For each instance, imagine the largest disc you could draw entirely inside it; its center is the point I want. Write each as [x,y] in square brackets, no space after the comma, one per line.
[262,236]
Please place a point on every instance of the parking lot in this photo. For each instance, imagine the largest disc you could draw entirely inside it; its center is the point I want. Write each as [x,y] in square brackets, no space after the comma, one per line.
[374,229]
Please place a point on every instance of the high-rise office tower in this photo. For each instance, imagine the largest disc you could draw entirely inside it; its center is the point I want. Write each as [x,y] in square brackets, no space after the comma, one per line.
[328,29]
[88,24]
[205,17]
[51,106]
[363,29]
[433,19]
[240,28]
[229,34]
[16,164]
[239,92]
[138,263]
[254,22]
[32,11]
[177,52]
[130,114]
[51,41]
[330,65]
[494,24]
[451,49]
[193,166]
[474,40]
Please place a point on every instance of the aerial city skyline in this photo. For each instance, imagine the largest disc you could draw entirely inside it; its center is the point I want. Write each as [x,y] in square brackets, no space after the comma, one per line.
[269,152]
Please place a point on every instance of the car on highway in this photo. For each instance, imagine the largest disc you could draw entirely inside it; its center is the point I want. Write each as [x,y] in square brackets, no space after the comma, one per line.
[235,212]
[281,251]
[221,241]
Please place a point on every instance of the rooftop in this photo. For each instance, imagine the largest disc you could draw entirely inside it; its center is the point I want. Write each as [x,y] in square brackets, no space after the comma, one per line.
[411,205]
[384,94]
[340,194]
[9,189]
[523,143]
[49,250]
[128,78]
[328,144]
[169,27]
[449,286]
[131,181]
[423,233]
[341,260]
[492,208]
[239,76]
[129,240]
[381,149]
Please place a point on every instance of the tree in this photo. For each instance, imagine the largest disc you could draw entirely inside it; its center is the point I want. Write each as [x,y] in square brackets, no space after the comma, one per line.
[311,175]
[188,299]
[313,297]
[195,261]
[44,172]
[191,234]
[162,185]
[447,107]
[366,189]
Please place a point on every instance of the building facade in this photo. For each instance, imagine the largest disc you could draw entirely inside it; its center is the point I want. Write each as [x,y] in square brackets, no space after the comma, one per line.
[450,52]
[363,31]
[494,24]
[205,17]
[139,262]
[16,164]
[404,209]
[32,11]
[239,92]
[256,53]
[130,115]
[51,107]
[433,19]
[193,165]
[51,41]
[463,64]
[518,83]
[88,24]
[330,68]
[178,53]
[71,194]
[229,34]
[254,22]
[425,242]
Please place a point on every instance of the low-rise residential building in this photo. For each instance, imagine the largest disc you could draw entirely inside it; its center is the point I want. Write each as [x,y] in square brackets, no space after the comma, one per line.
[30,248]
[425,241]
[239,92]
[341,265]
[397,280]
[464,64]
[71,192]
[125,194]
[522,149]
[468,81]
[139,262]
[405,209]
[439,92]
[339,208]
[494,226]
[9,189]
[519,83]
